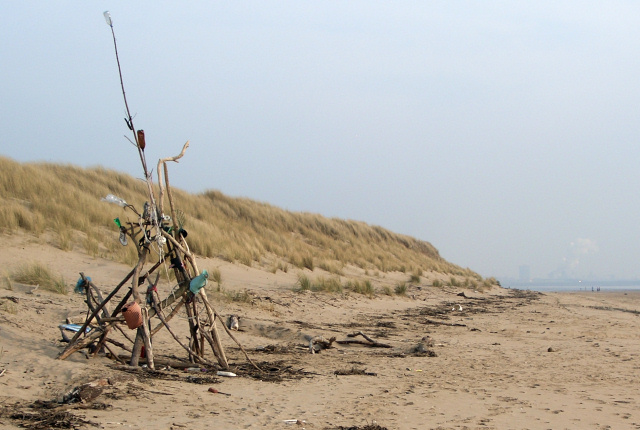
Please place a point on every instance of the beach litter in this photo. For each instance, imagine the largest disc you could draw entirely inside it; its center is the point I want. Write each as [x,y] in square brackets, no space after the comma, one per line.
[215,391]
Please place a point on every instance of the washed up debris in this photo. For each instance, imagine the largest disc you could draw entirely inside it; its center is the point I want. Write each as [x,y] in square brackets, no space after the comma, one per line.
[215,391]
[72,328]
[354,371]
[233,322]
[368,342]
[318,343]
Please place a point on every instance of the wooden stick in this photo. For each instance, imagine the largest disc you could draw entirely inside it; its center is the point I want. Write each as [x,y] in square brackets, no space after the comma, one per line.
[370,342]
[119,344]
[163,162]
[114,355]
[146,337]
[86,341]
[117,326]
[143,331]
[173,312]
[230,334]
[193,340]
[218,350]
[430,321]
[136,350]
[93,315]
[365,343]
[164,321]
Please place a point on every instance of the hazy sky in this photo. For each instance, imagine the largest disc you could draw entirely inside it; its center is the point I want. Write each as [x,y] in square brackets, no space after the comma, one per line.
[503,132]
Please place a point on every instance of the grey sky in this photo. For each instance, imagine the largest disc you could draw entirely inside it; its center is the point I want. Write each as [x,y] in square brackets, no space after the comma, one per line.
[505,133]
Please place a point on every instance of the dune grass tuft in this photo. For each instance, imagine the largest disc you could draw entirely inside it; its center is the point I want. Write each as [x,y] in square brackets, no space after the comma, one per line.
[39,274]
[401,289]
[361,287]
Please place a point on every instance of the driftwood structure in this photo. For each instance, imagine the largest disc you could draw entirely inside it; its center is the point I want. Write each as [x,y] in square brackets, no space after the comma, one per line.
[157,231]
[153,233]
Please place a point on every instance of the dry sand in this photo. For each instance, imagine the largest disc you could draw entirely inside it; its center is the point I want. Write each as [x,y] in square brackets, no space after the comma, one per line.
[508,360]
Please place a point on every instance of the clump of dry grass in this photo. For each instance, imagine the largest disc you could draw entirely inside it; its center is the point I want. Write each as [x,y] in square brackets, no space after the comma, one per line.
[216,276]
[361,287]
[280,266]
[401,289]
[40,275]
[6,282]
[320,284]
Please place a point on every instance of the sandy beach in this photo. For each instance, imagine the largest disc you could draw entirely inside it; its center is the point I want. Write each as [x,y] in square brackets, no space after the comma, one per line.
[501,359]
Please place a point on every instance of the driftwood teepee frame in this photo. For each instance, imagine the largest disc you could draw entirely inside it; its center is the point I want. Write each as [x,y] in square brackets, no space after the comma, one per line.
[155,230]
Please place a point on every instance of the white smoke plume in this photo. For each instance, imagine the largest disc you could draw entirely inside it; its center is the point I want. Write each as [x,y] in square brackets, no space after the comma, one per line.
[577,249]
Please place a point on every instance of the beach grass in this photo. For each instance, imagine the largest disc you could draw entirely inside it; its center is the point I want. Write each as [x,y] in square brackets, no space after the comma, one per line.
[40,275]
[66,200]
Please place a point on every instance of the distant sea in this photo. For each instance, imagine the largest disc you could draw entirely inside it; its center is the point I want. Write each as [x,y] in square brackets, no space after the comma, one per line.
[566,288]
[576,286]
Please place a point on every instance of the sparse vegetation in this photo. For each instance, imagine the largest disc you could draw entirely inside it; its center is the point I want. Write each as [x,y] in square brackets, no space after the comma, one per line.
[239,296]
[284,267]
[6,282]
[304,283]
[216,276]
[328,285]
[401,289]
[39,274]
[361,287]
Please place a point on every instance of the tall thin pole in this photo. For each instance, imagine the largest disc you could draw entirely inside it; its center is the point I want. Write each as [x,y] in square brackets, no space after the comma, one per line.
[129,118]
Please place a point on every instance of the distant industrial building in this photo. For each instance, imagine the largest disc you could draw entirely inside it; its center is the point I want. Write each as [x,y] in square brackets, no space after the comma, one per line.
[524,274]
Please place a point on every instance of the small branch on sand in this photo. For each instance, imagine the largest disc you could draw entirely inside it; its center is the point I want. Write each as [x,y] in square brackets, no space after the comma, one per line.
[430,321]
[368,342]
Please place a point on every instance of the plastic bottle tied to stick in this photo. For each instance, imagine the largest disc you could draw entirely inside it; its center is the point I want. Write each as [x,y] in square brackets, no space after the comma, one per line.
[110,198]
[198,282]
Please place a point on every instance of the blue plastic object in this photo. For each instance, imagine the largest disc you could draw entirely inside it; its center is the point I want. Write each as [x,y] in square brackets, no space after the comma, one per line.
[80,285]
[198,282]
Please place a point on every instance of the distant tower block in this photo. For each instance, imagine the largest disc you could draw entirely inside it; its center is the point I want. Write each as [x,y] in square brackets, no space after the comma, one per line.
[525,273]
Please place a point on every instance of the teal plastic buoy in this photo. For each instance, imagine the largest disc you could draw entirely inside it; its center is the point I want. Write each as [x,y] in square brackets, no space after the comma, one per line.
[80,285]
[199,282]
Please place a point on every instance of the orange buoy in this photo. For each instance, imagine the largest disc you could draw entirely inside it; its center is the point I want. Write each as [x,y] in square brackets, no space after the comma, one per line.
[132,315]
